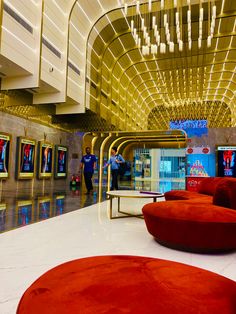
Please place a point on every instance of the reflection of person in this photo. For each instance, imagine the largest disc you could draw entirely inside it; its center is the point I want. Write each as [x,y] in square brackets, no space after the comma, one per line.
[3,146]
[88,164]
[114,161]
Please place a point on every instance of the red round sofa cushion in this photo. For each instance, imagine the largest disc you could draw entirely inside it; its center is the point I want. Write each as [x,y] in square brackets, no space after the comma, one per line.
[208,185]
[128,284]
[191,226]
[206,190]
[225,193]
[174,195]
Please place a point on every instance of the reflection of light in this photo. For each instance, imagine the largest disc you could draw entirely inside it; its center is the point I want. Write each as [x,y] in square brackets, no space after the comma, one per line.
[3,208]
[83,37]
[59,8]
[44,209]
[17,38]
[53,23]
[60,203]
[150,39]
[24,215]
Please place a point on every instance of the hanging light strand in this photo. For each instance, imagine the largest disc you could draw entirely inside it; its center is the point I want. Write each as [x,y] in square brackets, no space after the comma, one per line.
[147,36]
[189,26]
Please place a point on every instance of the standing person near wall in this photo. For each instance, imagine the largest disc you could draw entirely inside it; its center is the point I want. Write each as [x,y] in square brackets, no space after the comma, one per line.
[115,160]
[88,164]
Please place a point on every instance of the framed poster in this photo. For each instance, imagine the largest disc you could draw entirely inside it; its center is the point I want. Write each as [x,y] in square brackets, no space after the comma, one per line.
[5,141]
[226,160]
[45,160]
[61,159]
[44,208]
[26,158]
[24,211]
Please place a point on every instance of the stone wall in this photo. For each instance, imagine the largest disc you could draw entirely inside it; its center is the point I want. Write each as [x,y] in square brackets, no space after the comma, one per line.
[19,127]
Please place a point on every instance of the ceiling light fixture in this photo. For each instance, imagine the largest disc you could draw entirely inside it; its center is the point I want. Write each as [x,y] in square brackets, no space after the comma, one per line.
[151,27]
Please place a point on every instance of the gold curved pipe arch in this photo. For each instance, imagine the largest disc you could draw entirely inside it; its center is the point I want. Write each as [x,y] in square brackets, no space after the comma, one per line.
[105,141]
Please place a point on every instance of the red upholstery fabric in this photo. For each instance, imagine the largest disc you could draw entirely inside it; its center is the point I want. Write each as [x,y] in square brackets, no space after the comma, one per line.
[192,226]
[128,284]
[225,194]
[208,185]
[185,195]
[192,222]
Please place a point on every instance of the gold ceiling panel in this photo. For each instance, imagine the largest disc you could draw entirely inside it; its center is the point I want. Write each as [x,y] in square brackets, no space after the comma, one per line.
[19,103]
[217,114]
[131,92]
[233,44]
[88,121]
[229,6]
[138,84]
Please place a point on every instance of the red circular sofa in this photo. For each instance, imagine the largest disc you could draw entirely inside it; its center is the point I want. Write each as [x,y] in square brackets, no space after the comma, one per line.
[128,284]
[203,221]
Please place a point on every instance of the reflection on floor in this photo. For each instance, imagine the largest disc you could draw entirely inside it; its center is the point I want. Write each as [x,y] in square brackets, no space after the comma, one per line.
[26,253]
[162,185]
[24,208]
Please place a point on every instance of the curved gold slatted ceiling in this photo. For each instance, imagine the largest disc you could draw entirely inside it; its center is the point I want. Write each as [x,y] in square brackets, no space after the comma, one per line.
[132,92]
[217,113]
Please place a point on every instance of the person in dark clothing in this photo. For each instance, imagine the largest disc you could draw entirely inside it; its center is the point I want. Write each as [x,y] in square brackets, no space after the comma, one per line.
[88,164]
[114,162]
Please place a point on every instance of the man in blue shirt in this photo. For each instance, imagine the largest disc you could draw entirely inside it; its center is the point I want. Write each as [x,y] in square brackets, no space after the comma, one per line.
[114,161]
[88,163]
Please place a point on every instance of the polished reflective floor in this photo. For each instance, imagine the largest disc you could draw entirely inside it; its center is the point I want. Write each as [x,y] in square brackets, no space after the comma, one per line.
[24,207]
[28,252]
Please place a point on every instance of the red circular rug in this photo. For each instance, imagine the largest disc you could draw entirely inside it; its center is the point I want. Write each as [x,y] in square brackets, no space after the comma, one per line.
[128,284]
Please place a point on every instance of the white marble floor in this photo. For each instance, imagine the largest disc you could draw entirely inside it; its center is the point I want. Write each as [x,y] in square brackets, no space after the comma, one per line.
[28,252]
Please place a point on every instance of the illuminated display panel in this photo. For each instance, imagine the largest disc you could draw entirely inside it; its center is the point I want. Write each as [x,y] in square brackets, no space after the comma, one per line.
[45,160]
[191,127]
[26,158]
[61,158]
[226,160]
[5,140]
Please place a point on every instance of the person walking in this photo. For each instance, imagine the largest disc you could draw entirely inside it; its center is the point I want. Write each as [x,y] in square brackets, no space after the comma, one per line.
[114,161]
[88,164]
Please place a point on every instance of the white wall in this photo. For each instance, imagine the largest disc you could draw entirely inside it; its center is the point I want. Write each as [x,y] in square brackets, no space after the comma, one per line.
[20,46]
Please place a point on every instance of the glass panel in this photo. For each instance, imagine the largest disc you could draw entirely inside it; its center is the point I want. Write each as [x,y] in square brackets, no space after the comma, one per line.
[159,169]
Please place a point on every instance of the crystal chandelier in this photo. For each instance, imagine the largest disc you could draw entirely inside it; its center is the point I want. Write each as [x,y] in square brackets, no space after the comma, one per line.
[145,25]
